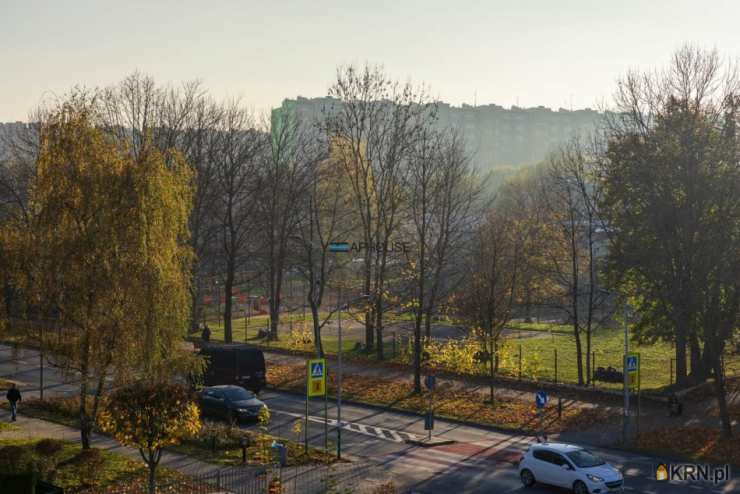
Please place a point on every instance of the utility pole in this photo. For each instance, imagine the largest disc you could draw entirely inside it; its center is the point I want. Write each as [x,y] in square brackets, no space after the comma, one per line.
[339,375]
[625,416]
[41,361]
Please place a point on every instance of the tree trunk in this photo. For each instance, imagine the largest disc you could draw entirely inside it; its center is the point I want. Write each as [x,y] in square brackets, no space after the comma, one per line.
[316,330]
[85,427]
[369,329]
[681,376]
[417,353]
[719,388]
[152,478]
[228,289]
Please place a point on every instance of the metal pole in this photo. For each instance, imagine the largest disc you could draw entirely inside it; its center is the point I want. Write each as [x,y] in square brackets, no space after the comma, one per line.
[305,435]
[637,428]
[326,412]
[339,375]
[593,369]
[625,414]
[556,365]
[520,362]
[41,362]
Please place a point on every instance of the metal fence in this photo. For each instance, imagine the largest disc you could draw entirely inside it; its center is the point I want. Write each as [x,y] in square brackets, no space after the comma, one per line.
[308,479]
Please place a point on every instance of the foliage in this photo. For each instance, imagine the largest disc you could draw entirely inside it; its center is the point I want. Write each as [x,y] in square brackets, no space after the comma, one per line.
[300,337]
[220,443]
[449,401]
[150,416]
[103,249]
[17,460]
[695,443]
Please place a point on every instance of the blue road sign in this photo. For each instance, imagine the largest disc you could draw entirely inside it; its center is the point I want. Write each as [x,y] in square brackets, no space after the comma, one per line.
[317,369]
[631,363]
[339,247]
[430,382]
[429,421]
[540,398]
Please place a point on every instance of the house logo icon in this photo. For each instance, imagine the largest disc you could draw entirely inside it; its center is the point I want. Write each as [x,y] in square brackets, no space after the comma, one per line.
[661,473]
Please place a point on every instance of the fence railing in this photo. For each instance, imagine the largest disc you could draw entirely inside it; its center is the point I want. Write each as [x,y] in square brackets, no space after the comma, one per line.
[308,479]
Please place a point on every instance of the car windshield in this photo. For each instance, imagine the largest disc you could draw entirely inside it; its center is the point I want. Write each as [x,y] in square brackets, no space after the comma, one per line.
[238,394]
[584,458]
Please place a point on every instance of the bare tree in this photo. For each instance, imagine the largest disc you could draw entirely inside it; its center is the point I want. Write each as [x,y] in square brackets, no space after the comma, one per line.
[237,155]
[325,218]
[442,189]
[376,122]
[282,180]
[486,301]
[571,196]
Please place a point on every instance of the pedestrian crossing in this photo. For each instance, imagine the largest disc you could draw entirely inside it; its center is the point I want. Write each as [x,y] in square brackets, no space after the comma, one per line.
[439,459]
[367,430]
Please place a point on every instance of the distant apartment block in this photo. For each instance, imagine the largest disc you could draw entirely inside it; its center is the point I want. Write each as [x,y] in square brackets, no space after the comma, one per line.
[495,135]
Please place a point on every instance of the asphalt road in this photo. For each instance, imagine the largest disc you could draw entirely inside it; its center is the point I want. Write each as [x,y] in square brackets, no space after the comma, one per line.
[479,460]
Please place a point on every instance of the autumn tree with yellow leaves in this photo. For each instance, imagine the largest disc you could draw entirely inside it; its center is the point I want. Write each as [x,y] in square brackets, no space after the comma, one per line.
[150,416]
[107,254]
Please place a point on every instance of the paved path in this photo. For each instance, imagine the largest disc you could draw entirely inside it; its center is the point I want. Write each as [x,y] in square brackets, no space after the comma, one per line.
[31,428]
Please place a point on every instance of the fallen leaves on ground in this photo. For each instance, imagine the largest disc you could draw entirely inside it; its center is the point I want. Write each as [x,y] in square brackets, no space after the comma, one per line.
[699,443]
[449,401]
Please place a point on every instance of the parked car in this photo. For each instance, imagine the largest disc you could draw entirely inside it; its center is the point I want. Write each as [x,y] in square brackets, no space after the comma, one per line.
[229,402]
[569,466]
[241,365]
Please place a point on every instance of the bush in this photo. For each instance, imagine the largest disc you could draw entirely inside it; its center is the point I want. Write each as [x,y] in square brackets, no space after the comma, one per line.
[16,460]
[47,451]
[300,337]
[48,447]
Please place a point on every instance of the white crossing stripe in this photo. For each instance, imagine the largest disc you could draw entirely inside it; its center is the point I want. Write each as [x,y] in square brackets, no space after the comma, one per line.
[367,430]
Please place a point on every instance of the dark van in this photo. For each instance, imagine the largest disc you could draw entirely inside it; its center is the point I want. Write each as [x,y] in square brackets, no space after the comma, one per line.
[241,365]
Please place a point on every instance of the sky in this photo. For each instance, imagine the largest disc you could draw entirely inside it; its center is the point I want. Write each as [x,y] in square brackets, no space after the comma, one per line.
[564,53]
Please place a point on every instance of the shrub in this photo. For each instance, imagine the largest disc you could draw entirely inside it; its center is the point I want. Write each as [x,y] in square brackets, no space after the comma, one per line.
[300,337]
[16,460]
[48,447]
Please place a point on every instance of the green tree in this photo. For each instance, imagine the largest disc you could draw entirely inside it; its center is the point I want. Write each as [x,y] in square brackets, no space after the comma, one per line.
[107,246]
[672,203]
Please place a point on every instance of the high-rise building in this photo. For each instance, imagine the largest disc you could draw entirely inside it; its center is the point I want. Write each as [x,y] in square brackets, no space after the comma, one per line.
[494,135]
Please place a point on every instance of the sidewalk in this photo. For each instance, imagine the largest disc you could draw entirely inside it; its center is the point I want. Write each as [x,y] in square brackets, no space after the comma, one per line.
[31,428]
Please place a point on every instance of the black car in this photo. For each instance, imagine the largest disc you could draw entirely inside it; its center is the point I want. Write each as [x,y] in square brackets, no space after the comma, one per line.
[232,403]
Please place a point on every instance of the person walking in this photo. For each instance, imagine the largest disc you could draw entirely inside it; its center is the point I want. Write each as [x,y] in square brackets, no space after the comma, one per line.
[13,396]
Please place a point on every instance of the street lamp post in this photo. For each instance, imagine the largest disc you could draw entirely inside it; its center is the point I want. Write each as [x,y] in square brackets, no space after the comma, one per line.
[626,413]
[339,375]
[339,368]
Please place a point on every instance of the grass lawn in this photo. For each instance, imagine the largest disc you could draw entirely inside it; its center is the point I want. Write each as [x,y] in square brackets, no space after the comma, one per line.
[287,342]
[77,472]
[228,450]
[546,327]
[538,358]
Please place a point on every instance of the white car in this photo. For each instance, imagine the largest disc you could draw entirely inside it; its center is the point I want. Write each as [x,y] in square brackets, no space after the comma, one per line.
[572,467]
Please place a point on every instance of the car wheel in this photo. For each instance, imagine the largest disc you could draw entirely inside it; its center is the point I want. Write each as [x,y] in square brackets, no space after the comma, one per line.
[580,488]
[527,478]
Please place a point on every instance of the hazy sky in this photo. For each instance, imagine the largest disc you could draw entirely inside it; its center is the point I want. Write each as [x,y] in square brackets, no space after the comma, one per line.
[553,53]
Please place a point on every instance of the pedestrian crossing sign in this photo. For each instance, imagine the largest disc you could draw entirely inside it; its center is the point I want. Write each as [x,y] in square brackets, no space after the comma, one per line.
[632,365]
[316,377]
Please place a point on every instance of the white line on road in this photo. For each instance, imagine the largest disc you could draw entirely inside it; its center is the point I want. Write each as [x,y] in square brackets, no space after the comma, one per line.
[367,430]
